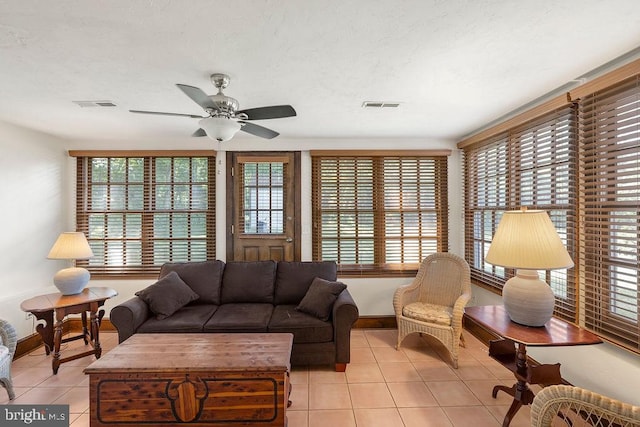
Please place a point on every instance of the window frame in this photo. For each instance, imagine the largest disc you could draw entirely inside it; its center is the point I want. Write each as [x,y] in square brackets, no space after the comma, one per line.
[376,212]
[148,267]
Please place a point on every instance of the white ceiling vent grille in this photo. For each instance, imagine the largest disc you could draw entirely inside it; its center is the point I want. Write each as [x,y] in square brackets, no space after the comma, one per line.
[380,104]
[85,104]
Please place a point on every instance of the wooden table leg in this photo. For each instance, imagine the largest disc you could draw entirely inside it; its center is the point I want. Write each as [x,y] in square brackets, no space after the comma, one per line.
[520,391]
[95,332]
[85,331]
[57,339]
[46,330]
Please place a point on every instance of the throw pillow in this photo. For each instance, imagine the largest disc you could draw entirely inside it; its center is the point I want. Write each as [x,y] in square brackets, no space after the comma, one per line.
[320,297]
[203,277]
[167,295]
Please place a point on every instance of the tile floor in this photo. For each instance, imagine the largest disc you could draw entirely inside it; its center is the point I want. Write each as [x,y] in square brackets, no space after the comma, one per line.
[415,386]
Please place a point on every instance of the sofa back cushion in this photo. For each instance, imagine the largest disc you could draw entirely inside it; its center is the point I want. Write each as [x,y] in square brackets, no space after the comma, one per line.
[205,278]
[294,278]
[248,282]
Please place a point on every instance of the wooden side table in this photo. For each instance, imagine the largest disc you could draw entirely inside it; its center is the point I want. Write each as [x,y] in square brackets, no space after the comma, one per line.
[89,300]
[555,332]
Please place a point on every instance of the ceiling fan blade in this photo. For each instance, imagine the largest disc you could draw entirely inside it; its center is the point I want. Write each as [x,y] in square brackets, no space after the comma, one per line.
[198,96]
[258,130]
[273,112]
[193,116]
[199,132]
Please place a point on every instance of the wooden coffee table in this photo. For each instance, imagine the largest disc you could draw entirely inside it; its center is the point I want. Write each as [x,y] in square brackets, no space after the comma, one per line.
[194,379]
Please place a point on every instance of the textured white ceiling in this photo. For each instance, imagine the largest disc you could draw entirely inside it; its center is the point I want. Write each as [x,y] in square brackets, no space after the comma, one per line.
[454,65]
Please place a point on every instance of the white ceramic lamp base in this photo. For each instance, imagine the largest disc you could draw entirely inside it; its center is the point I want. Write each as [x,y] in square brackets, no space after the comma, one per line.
[527,299]
[71,281]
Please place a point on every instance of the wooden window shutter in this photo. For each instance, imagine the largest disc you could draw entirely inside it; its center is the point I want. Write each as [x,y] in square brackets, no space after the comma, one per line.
[610,211]
[379,214]
[140,210]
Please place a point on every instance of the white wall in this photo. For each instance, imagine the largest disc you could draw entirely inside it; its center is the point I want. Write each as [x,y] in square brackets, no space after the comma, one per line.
[32,213]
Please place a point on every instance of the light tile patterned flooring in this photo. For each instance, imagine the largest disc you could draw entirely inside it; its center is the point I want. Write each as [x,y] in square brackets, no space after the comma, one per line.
[415,386]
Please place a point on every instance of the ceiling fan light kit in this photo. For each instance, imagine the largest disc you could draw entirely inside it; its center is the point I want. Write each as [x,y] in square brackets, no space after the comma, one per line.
[224,119]
[220,128]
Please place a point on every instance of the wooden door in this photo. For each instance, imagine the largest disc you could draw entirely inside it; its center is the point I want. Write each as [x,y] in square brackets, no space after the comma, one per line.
[263,206]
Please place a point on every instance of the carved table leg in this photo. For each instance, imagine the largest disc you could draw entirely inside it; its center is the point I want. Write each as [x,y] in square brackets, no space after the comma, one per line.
[511,391]
[46,330]
[520,391]
[57,339]
[85,331]
[95,331]
[515,405]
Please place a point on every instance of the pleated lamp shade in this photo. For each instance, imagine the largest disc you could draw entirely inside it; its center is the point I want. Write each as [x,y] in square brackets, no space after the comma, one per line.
[71,246]
[527,239]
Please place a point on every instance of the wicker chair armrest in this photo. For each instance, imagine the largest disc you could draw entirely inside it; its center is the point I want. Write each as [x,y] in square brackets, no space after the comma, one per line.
[405,295]
[458,307]
[571,403]
[8,336]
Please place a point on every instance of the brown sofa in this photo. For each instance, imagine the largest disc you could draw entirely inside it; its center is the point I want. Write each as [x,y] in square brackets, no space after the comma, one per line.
[302,298]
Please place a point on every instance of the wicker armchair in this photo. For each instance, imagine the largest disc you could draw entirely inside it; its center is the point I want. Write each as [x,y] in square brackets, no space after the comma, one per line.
[561,405]
[8,342]
[434,302]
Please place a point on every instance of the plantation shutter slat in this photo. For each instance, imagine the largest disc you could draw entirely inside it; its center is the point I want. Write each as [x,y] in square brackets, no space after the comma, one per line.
[610,211]
[532,165]
[139,212]
[378,214]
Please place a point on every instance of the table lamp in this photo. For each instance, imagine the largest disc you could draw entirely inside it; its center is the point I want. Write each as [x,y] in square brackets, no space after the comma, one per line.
[527,241]
[71,246]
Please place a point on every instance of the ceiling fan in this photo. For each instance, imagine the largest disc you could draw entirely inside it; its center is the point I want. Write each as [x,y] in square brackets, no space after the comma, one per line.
[224,119]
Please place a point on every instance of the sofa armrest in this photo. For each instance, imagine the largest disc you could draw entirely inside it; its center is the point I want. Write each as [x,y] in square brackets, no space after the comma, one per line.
[128,316]
[345,314]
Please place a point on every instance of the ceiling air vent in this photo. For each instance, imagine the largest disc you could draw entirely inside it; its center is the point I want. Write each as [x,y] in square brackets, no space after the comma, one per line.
[380,104]
[85,104]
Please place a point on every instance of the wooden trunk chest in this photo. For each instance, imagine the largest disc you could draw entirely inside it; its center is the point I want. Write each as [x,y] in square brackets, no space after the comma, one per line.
[194,379]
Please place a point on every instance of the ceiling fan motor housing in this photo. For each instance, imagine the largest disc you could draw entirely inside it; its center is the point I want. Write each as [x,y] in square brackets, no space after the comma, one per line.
[226,105]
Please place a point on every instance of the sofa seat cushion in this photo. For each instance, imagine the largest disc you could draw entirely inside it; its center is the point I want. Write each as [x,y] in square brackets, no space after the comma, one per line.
[430,313]
[304,327]
[294,278]
[240,317]
[190,318]
[205,278]
[252,282]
